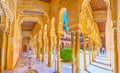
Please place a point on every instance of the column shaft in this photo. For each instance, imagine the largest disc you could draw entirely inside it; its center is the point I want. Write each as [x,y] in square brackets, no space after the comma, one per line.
[50,52]
[38,51]
[115,52]
[10,54]
[2,54]
[78,52]
[58,54]
[38,48]
[90,52]
[84,38]
[72,46]
[43,50]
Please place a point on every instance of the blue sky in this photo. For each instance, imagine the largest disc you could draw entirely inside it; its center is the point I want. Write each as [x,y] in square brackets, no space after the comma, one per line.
[65,21]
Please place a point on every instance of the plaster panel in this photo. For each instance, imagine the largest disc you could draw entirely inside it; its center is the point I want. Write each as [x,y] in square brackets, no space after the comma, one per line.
[33,5]
[26,33]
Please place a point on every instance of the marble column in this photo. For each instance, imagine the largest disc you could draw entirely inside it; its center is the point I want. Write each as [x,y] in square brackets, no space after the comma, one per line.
[95,51]
[77,51]
[43,49]
[3,52]
[50,51]
[84,38]
[115,52]
[58,53]
[90,52]
[73,52]
[38,48]
[92,46]
[10,53]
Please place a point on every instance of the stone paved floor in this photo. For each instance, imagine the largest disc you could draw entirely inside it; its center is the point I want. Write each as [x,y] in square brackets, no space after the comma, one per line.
[41,67]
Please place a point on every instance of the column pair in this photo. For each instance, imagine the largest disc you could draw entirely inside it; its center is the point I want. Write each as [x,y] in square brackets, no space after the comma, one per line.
[73,50]
[77,49]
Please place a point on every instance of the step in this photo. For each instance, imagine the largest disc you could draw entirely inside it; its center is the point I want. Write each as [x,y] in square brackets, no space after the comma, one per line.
[106,67]
[94,69]
[102,58]
[101,61]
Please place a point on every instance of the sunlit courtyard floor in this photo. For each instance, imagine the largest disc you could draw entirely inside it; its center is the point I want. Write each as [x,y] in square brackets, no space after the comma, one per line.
[101,65]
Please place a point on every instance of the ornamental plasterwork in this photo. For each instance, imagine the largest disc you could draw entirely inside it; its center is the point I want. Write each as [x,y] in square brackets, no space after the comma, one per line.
[2,12]
[33,6]
[9,8]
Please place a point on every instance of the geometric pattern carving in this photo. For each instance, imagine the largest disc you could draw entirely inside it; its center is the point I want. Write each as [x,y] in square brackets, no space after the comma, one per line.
[98,5]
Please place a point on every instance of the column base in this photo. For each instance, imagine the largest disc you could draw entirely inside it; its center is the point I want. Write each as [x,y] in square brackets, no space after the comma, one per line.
[42,60]
[57,72]
[38,59]
[1,71]
[85,69]
[49,65]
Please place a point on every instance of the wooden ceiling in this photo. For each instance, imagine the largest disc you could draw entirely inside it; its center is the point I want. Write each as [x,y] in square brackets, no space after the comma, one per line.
[47,1]
[101,26]
[28,26]
[98,5]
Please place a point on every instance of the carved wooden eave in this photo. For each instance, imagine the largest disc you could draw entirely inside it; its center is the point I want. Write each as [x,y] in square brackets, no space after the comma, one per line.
[100,16]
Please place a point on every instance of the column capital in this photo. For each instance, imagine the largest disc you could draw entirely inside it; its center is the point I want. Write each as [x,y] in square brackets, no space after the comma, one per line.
[49,36]
[114,26]
[44,38]
[58,34]
[84,35]
[72,33]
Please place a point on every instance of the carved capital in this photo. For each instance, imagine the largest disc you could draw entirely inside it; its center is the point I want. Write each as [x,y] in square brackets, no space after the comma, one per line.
[2,26]
[114,25]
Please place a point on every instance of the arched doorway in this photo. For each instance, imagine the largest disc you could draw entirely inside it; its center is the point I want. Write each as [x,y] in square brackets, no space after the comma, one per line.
[25,44]
[62,45]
